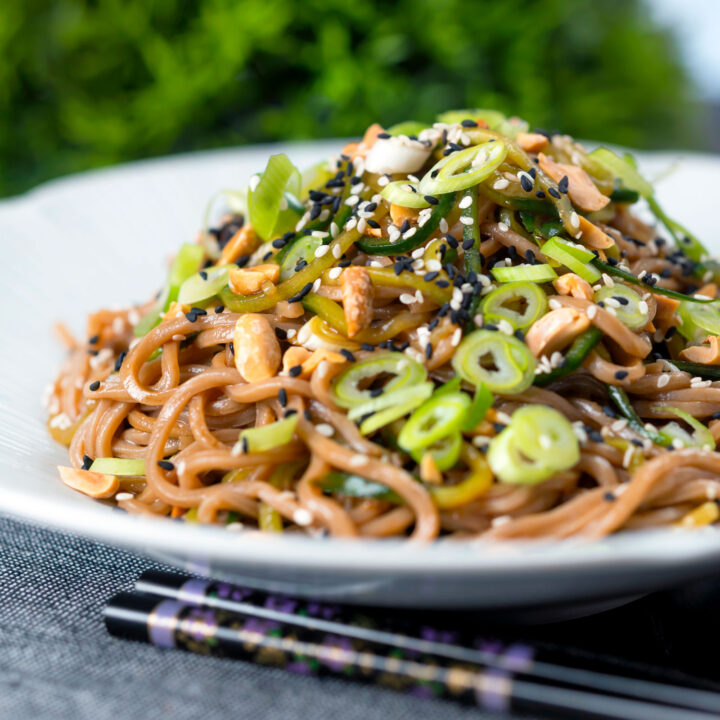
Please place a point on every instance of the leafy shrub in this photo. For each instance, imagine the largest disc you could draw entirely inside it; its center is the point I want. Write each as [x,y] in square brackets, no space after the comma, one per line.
[85,83]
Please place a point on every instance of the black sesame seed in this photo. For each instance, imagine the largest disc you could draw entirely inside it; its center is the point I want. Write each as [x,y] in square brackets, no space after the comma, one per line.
[245,445]
[370,207]
[498,427]
[526,183]
[166,465]
[306,414]
[595,436]
[609,497]
[442,283]
[376,392]
[267,255]
[280,334]
[94,386]
[715,416]
[367,347]
[540,194]
[405,226]
[315,211]
[242,261]
[621,300]
[609,411]
[301,294]
[203,275]
[282,397]
[219,309]
[428,351]
[469,123]
[451,241]
[295,370]
[554,193]
[93,340]
[373,224]
[384,135]
[431,199]
[87,462]
[347,354]
[429,277]
[563,185]
[467,244]
[621,374]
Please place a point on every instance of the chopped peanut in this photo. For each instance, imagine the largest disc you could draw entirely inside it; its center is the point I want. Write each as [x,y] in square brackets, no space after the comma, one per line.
[289,310]
[665,316]
[357,292]
[593,236]
[531,142]
[709,290]
[96,485]
[429,472]
[398,214]
[309,360]
[708,353]
[247,282]
[176,310]
[256,348]
[293,356]
[581,188]
[243,242]
[555,330]
[574,285]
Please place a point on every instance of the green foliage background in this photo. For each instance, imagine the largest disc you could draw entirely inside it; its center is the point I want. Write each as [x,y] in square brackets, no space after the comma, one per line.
[85,83]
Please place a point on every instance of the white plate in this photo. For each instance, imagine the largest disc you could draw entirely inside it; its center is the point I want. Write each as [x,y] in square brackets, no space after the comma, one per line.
[100,238]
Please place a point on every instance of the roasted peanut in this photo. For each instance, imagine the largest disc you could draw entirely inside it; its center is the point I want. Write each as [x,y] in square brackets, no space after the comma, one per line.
[248,281]
[256,348]
[96,485]
[357,295]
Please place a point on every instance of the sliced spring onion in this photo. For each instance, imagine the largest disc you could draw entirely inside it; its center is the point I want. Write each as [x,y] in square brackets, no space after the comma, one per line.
[445,452]
[356,486]
[408,127]
[204,285]
[538,443]
[350,386]
[628,309]
[633,280]
[475,485]
[451,386]
[574,357]
[501,362]
[405,400]
[481,403]
[566,254]
[701,437]
[433,420]
[302,248]
[520,303]
[269,519]
[267,437]
[698,321]
[383,246]
[118,466]
[405,194]
[463,169]
[315,177]
[267,205]
[494,118]
[524,273]
[186,263]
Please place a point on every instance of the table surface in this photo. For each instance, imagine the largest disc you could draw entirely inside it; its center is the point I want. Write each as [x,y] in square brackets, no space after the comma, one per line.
[58,661]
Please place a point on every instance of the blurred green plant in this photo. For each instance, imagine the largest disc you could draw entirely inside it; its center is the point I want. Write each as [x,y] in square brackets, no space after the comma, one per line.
[85,83]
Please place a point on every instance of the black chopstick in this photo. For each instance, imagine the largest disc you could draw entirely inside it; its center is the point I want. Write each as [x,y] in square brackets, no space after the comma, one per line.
[530,678]
[521,659]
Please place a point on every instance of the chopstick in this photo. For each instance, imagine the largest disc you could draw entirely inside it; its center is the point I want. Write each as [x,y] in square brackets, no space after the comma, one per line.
[352,623]
[226,620]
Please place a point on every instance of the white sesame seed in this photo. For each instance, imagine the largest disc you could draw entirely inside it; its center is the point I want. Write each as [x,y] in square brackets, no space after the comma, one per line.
[456,337]
[575,220]
[591,312]
[433,265]
[628,456]
[320,233]
[417,253]
[334,274]
[501,184]
[383,181]
[443,226]
[325,429]
[643,307]
[503,226]
[336,251]
[466,220]
[316,285]
[351,223]
[352,200]
[554,304]
[358,460]
[124,496]
[406,298]
[362,225]
[619,425]
[322,250]
[505,327]
[409,233]
[466,202]
[302,517]
[608,280]
[612,302]
[663,380]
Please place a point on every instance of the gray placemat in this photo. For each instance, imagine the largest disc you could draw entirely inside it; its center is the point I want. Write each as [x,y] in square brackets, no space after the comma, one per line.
[57,661]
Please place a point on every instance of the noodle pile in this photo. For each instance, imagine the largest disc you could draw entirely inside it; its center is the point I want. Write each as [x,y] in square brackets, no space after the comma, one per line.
[179,396]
